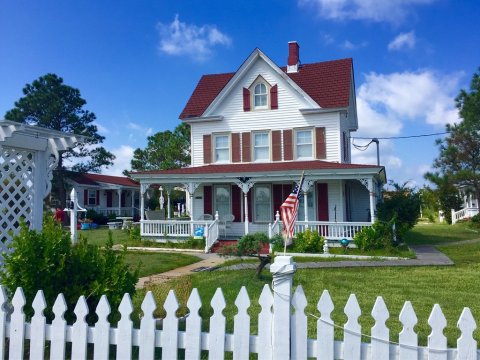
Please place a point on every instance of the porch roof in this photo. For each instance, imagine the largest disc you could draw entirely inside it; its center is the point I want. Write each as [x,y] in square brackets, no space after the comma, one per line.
[274,169]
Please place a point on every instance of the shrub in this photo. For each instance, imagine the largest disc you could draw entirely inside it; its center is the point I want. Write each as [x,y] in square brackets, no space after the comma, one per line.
[96,217]
[475,221]
[308,241]
[47,261]
[378,236]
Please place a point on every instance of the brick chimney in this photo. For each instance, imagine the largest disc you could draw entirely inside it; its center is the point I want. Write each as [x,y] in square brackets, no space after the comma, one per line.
[293,57]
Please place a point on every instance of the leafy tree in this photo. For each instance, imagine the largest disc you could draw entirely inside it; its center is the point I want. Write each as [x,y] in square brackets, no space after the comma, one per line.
[165,150]
[403,203]
[459,159]
[446,193]
[49,103]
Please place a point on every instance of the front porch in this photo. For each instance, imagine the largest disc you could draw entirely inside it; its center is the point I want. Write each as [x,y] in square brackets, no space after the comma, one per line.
[179,230]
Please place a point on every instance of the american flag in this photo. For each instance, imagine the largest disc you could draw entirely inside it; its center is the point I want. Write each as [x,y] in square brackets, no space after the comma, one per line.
[289,210]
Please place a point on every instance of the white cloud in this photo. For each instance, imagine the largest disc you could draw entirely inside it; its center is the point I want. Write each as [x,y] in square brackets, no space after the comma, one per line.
[139,129]
[393,11]
[179,38]
[348,45]
[123,156]
[403,41]
[385,102]
[423,96]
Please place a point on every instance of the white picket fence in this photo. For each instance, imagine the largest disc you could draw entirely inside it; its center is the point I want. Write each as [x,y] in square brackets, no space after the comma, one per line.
[281,333]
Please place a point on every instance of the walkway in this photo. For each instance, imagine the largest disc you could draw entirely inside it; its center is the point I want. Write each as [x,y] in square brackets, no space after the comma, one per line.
[426,255]
[208,261]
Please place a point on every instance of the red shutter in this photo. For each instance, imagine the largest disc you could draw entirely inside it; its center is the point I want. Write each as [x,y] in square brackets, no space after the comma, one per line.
[236,147]
[246,99]
[322,201]
[98,197]
[287,145]
[207,149]
[207,200]
[274,97]
[276,145]
[85,197]
[321,145]
[236,203]
[246,157]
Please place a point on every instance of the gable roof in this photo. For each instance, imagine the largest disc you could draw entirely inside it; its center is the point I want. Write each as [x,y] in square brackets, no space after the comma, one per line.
[95,179]
[327,83]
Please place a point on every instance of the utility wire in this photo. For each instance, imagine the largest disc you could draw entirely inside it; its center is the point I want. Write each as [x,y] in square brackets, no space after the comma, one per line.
[398,137]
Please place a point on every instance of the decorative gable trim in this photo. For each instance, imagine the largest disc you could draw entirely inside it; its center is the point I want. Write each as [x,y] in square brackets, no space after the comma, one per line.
[248,63]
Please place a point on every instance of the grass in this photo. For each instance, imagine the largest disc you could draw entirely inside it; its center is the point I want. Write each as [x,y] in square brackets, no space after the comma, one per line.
[156,263]
[452,287]
[99,236]
[423,234]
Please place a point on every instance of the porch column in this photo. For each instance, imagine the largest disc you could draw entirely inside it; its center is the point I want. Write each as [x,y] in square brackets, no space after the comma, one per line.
[119,192]
[191,187]
[370,186]
[143,190]
[307,184]
[132,194]
[245,184]
[168,189]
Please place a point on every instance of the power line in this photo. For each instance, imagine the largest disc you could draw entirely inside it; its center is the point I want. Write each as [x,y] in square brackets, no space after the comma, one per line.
[398,137]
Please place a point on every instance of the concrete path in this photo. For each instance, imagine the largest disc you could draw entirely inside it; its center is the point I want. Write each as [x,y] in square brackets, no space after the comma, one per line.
[426,255]
[208,261]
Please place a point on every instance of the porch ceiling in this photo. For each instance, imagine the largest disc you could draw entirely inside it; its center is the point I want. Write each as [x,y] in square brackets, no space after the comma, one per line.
[263,171]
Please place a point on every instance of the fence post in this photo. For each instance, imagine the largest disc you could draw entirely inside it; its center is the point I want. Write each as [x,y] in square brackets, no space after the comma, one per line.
[282,270]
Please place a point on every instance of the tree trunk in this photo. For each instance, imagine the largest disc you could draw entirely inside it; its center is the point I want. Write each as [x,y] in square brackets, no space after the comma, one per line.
[264,260]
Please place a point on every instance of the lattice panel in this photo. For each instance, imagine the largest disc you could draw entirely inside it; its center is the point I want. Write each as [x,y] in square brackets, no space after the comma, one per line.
[16,191]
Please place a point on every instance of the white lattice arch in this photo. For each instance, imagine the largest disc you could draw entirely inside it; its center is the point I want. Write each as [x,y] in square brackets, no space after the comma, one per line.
[28,155]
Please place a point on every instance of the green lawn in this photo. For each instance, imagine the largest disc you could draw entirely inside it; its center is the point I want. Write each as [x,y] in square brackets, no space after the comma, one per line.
[99,236]
[156,263]
[440,234]
[452,287]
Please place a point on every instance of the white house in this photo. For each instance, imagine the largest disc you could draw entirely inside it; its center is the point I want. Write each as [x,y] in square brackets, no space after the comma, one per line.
[106,194]
[469,206]
[254,131]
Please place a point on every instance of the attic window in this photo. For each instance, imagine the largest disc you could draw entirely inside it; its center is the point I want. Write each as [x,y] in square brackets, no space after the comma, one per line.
[260,96]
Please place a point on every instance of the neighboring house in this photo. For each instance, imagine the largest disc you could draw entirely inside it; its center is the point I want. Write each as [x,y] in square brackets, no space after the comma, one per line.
[255,130]
[469,206]
[106,194]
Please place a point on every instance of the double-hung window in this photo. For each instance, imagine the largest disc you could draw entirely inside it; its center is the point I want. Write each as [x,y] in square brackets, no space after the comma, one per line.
[222,200]
[304,144]
[260,96]
[261,146]
[222,148]
[263,203]
[92,197]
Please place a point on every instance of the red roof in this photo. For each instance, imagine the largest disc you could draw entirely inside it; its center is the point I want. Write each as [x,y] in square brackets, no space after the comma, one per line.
[327,83]
[259,167]
[94,179]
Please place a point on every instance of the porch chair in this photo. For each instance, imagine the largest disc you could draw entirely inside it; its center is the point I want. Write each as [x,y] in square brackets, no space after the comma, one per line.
[225,223]
[205,217]
[154,215]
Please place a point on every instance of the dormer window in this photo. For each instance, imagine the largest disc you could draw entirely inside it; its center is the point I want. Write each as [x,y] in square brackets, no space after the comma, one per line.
[260,96]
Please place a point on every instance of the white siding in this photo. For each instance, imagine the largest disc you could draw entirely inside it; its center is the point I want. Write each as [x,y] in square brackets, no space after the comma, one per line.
[287,116]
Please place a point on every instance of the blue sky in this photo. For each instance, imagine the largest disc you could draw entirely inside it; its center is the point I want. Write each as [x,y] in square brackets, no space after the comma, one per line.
[137,62]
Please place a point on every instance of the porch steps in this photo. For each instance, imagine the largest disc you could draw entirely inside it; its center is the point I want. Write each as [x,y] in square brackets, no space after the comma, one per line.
[220,243]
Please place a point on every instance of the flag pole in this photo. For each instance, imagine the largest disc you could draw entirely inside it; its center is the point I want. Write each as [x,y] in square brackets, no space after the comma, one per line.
[288,237]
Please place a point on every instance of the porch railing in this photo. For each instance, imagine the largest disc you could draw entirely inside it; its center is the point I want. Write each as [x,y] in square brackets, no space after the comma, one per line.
[211,234]
[124,211]
[464,213]
[329,230]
